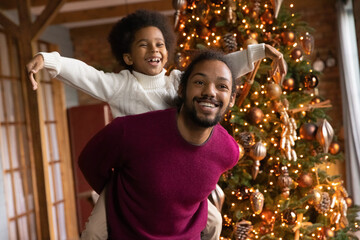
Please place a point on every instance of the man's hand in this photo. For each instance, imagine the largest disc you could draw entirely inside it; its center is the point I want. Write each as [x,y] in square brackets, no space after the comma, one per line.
[35,64]
[278,64]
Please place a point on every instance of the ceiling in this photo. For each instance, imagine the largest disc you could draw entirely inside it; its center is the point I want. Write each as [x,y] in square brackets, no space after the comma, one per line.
[83,13]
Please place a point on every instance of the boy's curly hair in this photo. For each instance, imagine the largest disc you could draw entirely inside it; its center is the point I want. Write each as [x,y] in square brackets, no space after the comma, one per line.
[123,33]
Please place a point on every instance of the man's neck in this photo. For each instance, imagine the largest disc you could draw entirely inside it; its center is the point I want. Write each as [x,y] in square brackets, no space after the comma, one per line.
[190,131]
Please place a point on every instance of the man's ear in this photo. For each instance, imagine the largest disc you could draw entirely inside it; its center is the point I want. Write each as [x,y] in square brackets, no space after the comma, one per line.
[127,59]
[232,100]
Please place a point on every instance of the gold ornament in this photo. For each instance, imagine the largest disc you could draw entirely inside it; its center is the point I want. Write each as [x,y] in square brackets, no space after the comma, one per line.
[305,180]
[296,54]
[258,153]
[267,17]
[324,135]
[289,84]
[257,201]
[241,151]
[255,115]
[273,91]
[288,37]
[334,148]
[285,182]
[308,131]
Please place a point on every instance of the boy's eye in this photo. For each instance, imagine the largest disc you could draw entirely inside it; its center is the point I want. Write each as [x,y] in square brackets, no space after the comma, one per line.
[160,44]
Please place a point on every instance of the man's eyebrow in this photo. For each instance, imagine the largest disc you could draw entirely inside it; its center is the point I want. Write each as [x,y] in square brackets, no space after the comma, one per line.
[204,75]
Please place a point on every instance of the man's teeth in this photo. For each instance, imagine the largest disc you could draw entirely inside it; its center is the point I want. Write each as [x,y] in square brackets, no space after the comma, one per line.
[206,104]
[154,60]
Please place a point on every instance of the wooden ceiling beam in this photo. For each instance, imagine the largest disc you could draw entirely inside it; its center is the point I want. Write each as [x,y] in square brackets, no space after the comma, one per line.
[9,26]
[46,17]
[110,12]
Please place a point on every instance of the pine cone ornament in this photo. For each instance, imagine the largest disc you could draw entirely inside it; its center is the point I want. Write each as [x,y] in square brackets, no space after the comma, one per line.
[229,43]
[242,230]
[323,205]
[247,140]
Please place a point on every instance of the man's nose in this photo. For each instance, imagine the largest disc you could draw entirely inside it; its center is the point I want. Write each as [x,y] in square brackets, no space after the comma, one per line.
[209,90]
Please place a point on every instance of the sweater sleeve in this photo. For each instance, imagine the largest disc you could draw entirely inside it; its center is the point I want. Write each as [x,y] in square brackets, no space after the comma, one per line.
[82,76]
[243,61]
[101,155]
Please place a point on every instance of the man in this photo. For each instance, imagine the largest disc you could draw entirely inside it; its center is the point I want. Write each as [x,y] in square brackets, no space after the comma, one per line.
[161,166]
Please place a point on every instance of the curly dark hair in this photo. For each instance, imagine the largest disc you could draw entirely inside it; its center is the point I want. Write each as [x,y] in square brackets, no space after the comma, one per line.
[123,33]
[202,56]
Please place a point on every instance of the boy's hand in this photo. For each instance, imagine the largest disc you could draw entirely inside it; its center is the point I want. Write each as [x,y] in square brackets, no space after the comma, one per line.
[35,64]
[278,64]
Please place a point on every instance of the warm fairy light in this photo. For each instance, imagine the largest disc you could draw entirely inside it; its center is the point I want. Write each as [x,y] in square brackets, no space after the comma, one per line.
[260,126]
[233,204]
[256,103]
[247,208]
[206,38]
[233,192]
[208,43]
[181,45]
[275,144]
[271,183]
[313,169]
[299,165]
[289,165]
[212,34]
[236,130]
[283,224]
[245,124]
[265,191]
[262,92]
[291,5]
[296,171]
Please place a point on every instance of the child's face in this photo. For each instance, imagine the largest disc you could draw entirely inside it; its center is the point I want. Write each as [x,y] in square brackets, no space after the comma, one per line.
[148,51]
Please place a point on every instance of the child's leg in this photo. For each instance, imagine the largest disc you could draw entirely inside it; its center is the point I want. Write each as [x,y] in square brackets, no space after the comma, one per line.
[96,226]
[213,225]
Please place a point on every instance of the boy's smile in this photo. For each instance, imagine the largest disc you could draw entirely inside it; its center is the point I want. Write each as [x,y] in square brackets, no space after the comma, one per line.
[148,51]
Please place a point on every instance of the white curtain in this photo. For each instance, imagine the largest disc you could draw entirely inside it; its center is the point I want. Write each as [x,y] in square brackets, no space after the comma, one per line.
[350,87]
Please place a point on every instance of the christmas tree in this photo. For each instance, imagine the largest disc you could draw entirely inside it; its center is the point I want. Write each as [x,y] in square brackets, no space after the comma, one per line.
[280,189]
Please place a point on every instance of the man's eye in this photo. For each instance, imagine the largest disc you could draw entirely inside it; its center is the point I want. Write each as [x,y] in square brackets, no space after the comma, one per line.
[224,87]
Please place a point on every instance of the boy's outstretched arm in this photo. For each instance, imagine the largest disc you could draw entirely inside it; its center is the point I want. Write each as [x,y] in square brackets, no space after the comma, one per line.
[35,64]
[278,63]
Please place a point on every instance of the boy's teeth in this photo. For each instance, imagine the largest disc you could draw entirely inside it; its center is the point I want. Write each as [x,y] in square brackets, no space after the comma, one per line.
[154,60]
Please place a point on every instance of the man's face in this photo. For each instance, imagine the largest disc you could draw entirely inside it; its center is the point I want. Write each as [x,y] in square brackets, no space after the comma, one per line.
[208,93]
[148,51]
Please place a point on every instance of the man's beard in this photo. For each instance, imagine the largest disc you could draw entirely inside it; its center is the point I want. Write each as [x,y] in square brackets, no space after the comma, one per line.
[203,122]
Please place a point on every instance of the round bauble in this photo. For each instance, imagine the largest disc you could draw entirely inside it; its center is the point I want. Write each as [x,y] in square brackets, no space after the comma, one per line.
[305,180]
[288,37]
[258,151]
[349,201]
[296,54]
[273,91]
[241,151]
[289,216]
[255,115]
[311,81]
[307,131]
[334,148]
[288,84]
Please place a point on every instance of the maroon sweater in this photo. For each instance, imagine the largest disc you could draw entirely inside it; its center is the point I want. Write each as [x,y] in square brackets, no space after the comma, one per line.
[158,182]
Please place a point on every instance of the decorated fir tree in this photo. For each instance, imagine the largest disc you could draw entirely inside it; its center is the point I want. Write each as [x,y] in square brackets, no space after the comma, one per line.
[280,189]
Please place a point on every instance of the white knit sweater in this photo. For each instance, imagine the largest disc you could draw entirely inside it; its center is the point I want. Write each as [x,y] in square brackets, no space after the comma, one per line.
[130,93]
